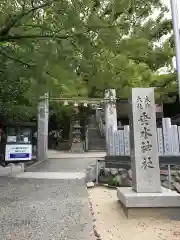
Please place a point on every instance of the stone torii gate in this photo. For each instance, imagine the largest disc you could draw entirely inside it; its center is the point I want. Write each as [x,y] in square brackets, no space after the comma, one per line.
[43,117]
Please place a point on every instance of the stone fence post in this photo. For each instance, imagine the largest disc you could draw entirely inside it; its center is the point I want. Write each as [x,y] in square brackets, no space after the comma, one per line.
[110,115]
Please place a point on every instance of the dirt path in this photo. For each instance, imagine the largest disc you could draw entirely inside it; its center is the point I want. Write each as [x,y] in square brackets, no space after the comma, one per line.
[112,224]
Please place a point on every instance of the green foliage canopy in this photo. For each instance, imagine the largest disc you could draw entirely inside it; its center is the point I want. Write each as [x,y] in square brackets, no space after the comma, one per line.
[80,48]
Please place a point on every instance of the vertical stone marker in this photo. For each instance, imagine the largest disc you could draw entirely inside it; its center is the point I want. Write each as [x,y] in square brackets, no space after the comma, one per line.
[144,150]
[110,119]
[175,140]
[160,142]
[166,126]
[110,110]
[146,191]
[126,141]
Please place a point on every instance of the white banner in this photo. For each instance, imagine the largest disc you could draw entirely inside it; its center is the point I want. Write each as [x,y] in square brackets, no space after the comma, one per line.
[18,152]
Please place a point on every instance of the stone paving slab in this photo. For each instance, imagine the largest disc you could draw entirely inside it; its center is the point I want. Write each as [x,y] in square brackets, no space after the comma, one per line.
[41,209]
[52,175]
[11,169]
[67,155]
[63,165]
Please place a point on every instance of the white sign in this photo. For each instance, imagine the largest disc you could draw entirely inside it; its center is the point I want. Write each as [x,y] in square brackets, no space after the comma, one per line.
[18,152]
[26,139]
[11,139]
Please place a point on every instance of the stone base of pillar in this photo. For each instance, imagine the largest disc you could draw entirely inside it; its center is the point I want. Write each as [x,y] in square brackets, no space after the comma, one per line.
[77,147]
[155,205]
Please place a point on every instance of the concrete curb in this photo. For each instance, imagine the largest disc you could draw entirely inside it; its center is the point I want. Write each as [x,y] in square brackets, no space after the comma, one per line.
[11,169]
[33,164]
[85,157]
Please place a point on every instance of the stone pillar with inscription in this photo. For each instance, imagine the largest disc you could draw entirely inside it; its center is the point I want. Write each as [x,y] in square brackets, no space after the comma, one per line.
[144,150]
[126,140]
[146,191]
[175,140]
[42,136]
[160,142]
[122,145]
[110,116]
[166,127]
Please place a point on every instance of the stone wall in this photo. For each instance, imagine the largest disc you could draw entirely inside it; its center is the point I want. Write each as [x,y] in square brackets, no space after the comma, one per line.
[123,177]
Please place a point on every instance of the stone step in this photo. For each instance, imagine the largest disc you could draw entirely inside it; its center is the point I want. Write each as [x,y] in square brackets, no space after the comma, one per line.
[96,149]
[94,131]
[97,145]
[95,141]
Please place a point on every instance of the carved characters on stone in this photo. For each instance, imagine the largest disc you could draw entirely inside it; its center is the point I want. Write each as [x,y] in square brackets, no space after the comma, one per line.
[147,163]
[145,132]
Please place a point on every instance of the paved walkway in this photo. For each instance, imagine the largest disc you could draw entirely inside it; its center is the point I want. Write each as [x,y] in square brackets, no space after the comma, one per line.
[53,154]
[63,165]
[49,202]
[52,175]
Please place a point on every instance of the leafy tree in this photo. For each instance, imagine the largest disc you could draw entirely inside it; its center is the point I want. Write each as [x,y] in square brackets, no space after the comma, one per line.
[79,48]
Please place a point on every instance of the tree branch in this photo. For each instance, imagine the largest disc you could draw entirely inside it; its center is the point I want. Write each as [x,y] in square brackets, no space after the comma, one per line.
[15,59]
[13,20]
[23,5]
[34,36]
[30,27]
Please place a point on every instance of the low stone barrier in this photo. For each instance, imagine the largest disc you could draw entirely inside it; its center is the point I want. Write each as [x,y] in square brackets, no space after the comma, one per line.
[11,169]
[122,177]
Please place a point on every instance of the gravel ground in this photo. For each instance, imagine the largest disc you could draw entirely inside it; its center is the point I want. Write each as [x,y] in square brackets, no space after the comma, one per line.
[112,224]
[39,209]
